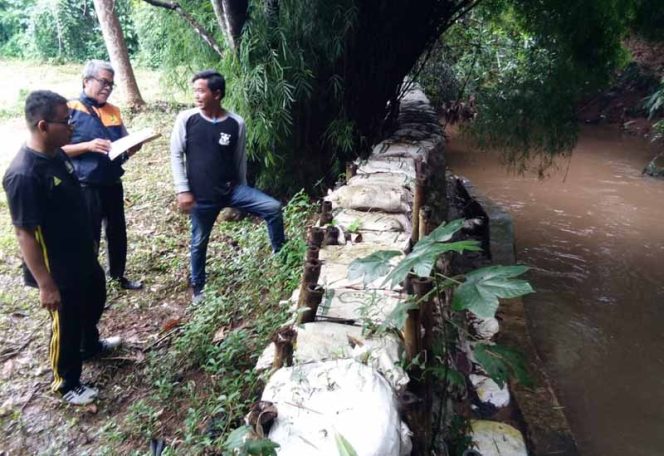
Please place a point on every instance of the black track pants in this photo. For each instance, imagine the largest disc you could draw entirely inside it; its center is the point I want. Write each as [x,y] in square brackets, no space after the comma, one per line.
[74,329]
[106,205]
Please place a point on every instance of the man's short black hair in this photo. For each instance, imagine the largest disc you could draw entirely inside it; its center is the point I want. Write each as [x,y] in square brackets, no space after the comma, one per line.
[42,105]
[215,80]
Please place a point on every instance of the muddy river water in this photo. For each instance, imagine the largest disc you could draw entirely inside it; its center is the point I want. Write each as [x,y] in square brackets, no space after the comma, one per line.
[593,233]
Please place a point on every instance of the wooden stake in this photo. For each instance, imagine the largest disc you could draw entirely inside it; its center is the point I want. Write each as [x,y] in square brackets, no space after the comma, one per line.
[418,201]
[422,286]
[283,340]
[313,296]
[411,330]
[312,252]
[326,213]
[315,236]
[331,235]
[425,216]
[311,272]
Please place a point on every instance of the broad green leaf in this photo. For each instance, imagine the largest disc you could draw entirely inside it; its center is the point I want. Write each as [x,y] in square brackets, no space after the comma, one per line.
[235,440]
[238,443]
[261,447]
[501,363]
[343,446]
[445,232]
[372,266]
[480,291]
[423,257]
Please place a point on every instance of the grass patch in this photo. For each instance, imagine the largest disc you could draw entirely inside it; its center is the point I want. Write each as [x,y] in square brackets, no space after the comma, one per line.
[190,391]
[205,388]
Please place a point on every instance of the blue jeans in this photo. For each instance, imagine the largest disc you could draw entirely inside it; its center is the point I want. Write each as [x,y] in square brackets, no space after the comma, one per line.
[204,214]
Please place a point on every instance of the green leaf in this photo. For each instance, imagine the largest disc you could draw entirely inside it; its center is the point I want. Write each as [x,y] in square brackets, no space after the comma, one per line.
[423,257]
[372,266]
[343,446]
[445,232]
[501,363]
[237,443]
[261,447]
[480,291]
[235,439]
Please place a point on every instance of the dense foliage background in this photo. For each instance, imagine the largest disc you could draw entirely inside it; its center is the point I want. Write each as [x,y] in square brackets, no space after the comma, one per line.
[314,80]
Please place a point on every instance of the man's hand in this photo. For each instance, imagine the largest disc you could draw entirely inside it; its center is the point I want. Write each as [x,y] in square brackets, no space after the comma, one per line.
[49,296]
[185,201]
[102,146]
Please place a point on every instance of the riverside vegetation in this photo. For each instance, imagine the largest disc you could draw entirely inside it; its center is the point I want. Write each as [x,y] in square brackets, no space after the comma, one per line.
[185,374]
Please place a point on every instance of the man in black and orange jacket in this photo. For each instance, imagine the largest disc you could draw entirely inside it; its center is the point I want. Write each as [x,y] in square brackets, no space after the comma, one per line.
[97,124]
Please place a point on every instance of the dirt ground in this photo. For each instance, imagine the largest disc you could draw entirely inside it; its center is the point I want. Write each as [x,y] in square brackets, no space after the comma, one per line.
[33,420]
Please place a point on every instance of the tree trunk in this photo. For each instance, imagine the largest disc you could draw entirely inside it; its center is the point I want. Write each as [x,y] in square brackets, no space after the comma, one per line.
[117,51]
[231,15]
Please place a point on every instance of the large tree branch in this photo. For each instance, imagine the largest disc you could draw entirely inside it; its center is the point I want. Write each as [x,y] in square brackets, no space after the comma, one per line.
[198,28]
[231,15]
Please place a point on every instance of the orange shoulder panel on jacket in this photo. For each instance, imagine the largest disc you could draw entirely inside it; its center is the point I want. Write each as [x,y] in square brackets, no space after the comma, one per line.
[110,115]
[77,105]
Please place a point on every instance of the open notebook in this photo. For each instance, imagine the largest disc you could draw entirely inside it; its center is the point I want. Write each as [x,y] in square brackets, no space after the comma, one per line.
[131,140]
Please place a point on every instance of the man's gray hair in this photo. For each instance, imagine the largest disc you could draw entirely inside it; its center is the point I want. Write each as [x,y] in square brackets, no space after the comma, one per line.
[93,67]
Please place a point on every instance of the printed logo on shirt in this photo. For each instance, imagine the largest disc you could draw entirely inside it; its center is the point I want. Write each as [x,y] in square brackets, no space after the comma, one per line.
[224,139]
[56,181]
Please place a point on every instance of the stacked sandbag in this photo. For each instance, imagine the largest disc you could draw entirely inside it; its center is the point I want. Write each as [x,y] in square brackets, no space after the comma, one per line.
[342,387]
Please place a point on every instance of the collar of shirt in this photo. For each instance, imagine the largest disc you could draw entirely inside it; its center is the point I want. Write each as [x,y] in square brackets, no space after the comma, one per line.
[91,101]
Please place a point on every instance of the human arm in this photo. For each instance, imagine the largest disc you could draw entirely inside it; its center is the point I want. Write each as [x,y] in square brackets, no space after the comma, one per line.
[99,145]
[25,198]
[185,198]
[240,153]
[49,294]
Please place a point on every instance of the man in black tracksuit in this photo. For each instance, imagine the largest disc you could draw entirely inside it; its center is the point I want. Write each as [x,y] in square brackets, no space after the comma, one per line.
[53,230]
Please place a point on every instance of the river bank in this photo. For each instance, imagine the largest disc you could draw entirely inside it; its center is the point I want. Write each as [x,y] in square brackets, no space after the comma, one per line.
[592,233]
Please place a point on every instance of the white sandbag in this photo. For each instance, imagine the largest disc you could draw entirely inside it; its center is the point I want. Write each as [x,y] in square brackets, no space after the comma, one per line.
[489,392]
[335,275]
[384,354]
[396,179]
[381,197]
[317,341]
[372,221]
[346,254]
[414,95]
[497,439]
[389,165]
[318,402]
[397,241]
[359,305]
[485,328]
[336,259]
[399,149]
[325,341]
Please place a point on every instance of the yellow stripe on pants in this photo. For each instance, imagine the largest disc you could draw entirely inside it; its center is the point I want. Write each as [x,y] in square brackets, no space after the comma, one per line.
[54,350]
[54,347]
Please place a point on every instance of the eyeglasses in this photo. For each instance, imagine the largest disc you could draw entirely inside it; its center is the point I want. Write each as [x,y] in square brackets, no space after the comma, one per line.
[68,121]
[105,82]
